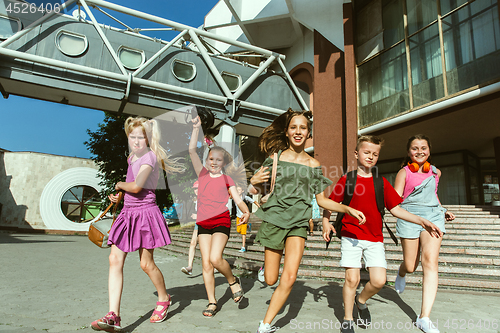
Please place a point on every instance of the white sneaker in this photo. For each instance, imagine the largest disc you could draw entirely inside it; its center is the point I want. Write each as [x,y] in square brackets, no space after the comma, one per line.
[426,325]
[266,328]
[260,275]
[400,284]
[242,250]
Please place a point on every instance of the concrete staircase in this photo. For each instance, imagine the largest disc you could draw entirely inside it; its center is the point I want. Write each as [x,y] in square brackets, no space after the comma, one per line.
[469,256]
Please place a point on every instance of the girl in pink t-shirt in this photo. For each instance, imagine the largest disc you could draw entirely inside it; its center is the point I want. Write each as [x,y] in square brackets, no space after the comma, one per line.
[213,219]
[140,225]
[417,183]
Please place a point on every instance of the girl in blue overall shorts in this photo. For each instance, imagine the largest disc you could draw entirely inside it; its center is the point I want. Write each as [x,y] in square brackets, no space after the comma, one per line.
[417,183]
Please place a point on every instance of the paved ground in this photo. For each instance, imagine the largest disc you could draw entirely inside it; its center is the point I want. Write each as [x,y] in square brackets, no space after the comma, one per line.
[55,283]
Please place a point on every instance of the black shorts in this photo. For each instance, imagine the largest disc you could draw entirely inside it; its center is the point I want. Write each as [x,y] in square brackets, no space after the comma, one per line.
[225,230]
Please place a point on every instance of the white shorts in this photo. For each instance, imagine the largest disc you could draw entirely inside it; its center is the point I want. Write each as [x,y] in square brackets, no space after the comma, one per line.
[352,250]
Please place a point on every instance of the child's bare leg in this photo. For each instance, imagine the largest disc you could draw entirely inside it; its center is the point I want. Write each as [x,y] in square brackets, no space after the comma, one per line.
[272,260]
[372,287]
[430,257]
[243,240]
[149,267]
[192,249]
[411,255]
[352,277]
[294,248]
[115,282]
[311,226]
[205,242]
[219,241]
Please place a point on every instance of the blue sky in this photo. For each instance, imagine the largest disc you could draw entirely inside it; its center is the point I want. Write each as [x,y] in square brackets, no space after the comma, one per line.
[45,127]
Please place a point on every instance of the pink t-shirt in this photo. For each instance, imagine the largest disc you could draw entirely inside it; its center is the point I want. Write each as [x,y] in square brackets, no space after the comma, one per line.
[147,194]
[413,179]
[212,200]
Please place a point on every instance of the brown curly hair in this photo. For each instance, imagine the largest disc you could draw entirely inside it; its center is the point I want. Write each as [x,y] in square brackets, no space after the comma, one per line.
[273,138]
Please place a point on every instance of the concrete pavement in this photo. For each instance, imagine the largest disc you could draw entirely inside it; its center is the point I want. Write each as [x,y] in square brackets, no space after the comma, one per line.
[55,283]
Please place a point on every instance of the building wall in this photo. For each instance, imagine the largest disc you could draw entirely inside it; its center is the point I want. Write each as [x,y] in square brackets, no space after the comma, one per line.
[23,177]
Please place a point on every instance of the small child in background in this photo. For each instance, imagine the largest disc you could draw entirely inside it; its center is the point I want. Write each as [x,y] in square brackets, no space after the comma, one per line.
[194,238]
[315,215]
[242,228]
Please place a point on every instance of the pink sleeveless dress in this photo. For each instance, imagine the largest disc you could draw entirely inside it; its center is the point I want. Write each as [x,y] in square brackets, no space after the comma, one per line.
[140,223]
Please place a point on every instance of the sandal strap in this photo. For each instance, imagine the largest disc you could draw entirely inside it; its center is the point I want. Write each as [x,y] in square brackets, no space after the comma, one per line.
[236,281]
[111,318]
[212,304]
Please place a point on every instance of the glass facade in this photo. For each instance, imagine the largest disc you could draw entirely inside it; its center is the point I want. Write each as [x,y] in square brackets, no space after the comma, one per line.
[440,47]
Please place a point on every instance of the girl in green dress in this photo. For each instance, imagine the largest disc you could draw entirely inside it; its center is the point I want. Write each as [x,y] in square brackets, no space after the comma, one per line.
[287,211]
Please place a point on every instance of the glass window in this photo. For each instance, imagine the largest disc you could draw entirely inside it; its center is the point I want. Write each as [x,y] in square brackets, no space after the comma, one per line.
[471,38]
[452,187]
[81,204]
[383,84]
[131,58]
[392,21]
[233,81]
[70,43]
[426,68]
[9,26]
[183,70]
[448,5]
[420,14]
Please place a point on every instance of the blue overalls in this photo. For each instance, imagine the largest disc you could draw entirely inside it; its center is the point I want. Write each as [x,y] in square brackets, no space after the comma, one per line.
[422,202]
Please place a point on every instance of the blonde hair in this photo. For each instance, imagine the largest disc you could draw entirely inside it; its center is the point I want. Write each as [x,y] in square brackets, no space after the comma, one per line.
[369,138]
[237,173]
[274,138]
[152,132]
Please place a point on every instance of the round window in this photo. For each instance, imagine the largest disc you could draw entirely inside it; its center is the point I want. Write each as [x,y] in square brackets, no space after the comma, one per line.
[131,58]
[183,70]
[233,81]
[71,43]
[81,204]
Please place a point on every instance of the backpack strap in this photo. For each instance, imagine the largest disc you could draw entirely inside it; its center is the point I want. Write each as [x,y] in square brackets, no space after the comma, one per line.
[350,183]
[378,183]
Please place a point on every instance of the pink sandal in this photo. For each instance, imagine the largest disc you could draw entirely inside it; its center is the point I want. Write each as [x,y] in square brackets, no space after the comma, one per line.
[162,314]
[108,323]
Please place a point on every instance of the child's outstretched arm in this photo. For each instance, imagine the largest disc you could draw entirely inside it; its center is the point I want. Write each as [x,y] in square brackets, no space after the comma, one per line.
[335,206]
[241,205]
[327,226]
[138,184]
[426,224]
[193,144]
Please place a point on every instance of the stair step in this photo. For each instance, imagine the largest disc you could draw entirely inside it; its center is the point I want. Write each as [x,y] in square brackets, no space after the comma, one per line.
[469,255]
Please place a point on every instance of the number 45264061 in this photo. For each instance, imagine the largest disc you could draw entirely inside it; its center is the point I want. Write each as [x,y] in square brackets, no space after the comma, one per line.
[31,8]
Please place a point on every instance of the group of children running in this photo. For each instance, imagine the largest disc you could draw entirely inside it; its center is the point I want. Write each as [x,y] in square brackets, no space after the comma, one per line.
[285,217]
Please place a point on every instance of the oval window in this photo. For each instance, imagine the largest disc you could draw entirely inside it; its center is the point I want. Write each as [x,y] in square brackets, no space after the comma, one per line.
[183,70]
[131,58]
[71,43]
[9,26]
[81,204]
[233,81]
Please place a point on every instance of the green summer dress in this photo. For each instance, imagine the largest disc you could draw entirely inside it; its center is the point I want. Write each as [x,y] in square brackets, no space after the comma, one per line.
[288,209]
